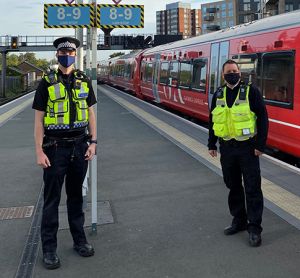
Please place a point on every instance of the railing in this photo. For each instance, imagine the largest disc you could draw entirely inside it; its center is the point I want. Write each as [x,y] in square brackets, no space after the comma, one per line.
[48,40]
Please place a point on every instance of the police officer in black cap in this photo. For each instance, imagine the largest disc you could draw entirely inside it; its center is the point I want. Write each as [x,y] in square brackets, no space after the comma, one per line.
[63,114]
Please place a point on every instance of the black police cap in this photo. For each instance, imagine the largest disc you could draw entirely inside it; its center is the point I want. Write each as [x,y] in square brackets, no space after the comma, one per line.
[66,43]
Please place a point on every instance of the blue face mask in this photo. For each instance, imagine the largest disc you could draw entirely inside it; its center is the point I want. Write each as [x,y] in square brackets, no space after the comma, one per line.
[66,60]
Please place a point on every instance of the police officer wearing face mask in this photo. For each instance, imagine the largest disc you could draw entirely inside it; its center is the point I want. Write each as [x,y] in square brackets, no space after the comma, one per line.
[239,120]
[63,113]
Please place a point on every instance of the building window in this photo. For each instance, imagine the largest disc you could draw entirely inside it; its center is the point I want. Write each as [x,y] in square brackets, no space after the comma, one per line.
[289,7]
[247,7]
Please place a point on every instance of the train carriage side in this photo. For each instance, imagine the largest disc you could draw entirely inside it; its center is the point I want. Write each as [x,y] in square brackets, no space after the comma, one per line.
[271,61]
[268,54]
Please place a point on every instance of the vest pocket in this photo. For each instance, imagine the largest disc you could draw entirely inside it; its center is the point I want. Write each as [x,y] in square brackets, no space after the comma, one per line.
[219,115]
[240,113]
[82,110]
[220,130]
[244,129]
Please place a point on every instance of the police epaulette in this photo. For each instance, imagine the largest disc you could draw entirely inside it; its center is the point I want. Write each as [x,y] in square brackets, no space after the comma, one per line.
[51,76]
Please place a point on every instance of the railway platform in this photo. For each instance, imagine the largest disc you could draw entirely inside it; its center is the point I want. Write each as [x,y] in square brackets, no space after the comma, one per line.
[162,200]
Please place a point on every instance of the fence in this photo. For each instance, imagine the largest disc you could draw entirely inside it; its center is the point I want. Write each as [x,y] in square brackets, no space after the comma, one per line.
[15,86]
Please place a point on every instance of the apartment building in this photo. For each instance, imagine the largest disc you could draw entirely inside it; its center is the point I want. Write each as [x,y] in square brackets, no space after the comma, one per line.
[178,19]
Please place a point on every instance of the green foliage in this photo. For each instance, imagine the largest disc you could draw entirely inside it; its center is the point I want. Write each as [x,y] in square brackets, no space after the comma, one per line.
[116,54]
[13,60]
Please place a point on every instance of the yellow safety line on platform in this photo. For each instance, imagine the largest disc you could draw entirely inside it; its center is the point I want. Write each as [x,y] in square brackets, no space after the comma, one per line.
[5,116]
[282,198]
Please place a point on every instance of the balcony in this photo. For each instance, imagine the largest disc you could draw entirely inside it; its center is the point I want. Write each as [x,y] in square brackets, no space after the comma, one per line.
[209,18]
[213,27]
[211,10]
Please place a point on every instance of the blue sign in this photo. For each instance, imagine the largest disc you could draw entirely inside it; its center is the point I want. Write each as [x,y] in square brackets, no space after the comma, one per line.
[68,16]
[120,16]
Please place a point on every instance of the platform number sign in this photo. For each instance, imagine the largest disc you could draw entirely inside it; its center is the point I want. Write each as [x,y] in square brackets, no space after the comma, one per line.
[68,16]
[120,16]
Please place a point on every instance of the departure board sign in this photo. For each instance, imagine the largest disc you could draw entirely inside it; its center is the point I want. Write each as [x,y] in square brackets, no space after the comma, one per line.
[68,16]
[120,16]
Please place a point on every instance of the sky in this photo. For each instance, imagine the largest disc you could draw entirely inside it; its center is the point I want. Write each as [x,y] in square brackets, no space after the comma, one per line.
[26,17]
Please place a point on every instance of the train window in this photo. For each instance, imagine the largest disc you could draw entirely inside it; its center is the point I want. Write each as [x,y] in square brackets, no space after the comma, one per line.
[173,74]
[148,72]
[143,66]
[248,65]
[163,74]
[278,78]
[185,74]
[199,75]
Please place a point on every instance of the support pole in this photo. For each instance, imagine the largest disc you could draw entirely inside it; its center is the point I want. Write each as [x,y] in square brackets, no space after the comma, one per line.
[93,164]
[88,52]
[79,36]
[3,79]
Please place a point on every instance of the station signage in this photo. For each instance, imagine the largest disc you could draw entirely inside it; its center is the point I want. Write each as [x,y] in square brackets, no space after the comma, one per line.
[69,16]
[120,16]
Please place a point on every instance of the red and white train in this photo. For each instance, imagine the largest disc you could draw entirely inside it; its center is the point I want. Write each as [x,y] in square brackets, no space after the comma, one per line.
[184,75]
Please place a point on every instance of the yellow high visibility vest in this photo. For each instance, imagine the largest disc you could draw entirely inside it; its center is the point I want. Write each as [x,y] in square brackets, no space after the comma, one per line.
[57,114]
[237,122]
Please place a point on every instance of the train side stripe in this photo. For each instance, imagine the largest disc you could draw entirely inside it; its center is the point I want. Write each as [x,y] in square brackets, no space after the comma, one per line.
[284,123]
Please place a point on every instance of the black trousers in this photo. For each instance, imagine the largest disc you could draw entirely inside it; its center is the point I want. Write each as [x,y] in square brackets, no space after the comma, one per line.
[67,163]
[245,202]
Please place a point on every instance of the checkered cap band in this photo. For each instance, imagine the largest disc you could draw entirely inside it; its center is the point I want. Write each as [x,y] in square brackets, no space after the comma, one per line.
[66,45]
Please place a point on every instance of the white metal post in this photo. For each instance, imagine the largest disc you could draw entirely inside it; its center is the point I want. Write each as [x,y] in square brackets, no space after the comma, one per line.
[79,36]
[93,165]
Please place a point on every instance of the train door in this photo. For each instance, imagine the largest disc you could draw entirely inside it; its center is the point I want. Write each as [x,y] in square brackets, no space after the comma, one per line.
[218,56]
[155,77]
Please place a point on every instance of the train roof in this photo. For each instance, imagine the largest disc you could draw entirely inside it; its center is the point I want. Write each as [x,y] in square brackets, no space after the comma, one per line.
[272,23]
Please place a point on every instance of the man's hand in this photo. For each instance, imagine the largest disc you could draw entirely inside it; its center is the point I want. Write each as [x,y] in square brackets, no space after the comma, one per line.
[257,152]
[42,159]
[91,151]
[213,153]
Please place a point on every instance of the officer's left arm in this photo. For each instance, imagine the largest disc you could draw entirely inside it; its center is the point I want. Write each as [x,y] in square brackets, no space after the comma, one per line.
[257,105]
[91,151]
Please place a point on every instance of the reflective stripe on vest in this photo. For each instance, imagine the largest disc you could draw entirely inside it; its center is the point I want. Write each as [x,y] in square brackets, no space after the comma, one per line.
[58,106]
[237,122]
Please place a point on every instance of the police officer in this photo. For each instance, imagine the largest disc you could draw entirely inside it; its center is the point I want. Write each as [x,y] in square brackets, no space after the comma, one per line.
[239,119]
[63,113]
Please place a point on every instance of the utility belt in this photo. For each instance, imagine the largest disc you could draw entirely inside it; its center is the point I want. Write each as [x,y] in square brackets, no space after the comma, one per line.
[65,142]
[235,143]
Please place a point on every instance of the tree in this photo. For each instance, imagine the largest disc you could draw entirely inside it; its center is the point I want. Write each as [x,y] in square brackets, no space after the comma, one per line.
[116,54]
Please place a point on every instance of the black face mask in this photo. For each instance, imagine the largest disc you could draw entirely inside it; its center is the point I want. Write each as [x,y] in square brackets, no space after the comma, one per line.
[232,78]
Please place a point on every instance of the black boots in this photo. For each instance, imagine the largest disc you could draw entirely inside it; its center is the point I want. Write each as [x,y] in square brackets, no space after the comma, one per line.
[84,250]
[51,260]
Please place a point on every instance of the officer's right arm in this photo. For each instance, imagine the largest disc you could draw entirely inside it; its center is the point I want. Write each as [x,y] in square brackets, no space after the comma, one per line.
[41,157]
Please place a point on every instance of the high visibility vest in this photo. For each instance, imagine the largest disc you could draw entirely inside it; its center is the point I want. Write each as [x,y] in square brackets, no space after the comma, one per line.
[57,114]
[237,122]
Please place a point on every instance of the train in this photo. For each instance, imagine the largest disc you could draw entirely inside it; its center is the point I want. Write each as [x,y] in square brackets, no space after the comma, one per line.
[184,75]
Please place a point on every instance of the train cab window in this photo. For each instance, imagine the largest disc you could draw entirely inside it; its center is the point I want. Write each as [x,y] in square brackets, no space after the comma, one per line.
[164,72]
[278,78]
[148,72]
[248,67]
[173,74]
[199,75]
[185,74]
